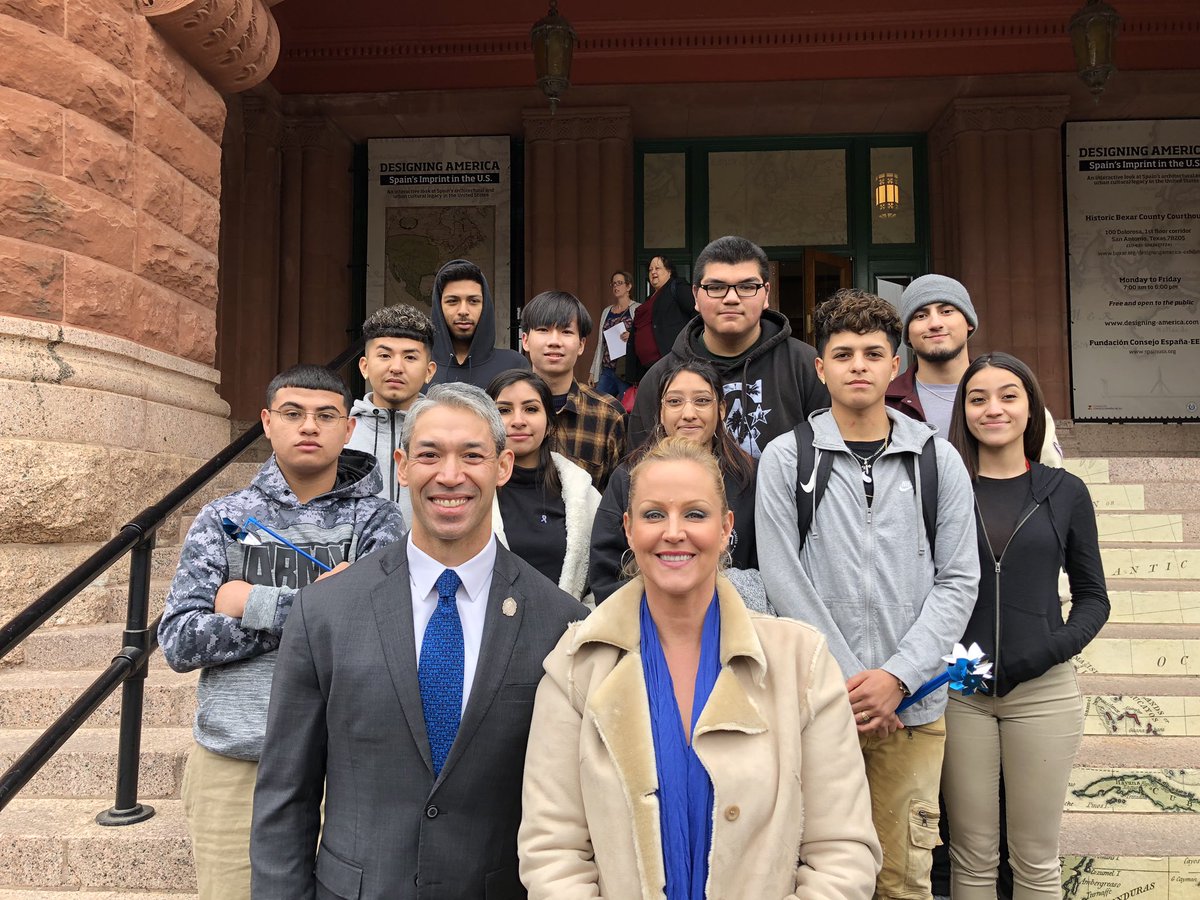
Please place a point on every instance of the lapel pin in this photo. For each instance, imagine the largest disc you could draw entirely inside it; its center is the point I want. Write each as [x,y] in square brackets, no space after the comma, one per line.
[509,607]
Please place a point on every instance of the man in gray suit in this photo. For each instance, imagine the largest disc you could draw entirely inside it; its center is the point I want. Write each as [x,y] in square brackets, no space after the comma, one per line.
[404,690]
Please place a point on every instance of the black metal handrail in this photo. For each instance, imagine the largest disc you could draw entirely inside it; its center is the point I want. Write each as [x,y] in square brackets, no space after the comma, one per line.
[128,668]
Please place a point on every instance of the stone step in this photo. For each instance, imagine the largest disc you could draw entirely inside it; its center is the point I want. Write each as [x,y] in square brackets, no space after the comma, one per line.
[1141,716]
[34,698]
[1166,606]
[1140,656]
[1120,751]
[33,894]
[1128,834]
[57,844]
[1151,497]
[1126,877]
[86,766]
[75,646]
[1177,562]
[1135,469]
[1164,528]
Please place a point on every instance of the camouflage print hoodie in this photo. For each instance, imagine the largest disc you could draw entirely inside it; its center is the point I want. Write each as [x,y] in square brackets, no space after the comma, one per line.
[237,656]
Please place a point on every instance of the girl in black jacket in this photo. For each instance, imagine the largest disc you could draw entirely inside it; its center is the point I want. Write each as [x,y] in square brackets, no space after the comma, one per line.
[689,405]
[1028,722]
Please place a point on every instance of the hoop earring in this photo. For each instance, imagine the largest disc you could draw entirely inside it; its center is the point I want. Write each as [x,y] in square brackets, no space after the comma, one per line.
[725,560]
[629,565]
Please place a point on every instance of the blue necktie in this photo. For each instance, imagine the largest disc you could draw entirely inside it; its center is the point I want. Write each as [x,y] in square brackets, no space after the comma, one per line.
[440,671]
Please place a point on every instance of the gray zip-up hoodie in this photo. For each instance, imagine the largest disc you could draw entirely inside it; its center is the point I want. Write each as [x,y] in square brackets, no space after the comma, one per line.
[237,655]
[866,577]
[378,432]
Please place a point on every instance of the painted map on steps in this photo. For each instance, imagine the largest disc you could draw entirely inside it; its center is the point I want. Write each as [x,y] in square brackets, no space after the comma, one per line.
[1093,789]
[1130,877]
[1141,716]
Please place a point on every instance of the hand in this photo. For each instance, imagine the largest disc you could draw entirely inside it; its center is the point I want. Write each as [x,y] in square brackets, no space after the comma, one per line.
[231,598]
[625,335]
[339,567]
[874,692]
[880,726]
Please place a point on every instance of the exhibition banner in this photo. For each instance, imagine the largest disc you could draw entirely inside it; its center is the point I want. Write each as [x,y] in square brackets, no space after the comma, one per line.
[1133,268]
[431,200]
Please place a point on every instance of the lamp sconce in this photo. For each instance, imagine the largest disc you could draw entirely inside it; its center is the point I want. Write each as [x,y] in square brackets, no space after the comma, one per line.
[887,195]
[553,41]
[1093,38]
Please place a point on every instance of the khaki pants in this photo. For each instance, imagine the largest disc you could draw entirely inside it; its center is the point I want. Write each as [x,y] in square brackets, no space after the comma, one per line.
[1031,734]
[903,771]
[218,796]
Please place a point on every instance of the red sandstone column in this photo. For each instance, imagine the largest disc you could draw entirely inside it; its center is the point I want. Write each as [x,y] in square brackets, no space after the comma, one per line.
[578,174]
[1004,216]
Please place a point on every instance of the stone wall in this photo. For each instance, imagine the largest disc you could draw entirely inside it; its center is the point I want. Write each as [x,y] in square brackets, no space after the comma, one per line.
[110,183]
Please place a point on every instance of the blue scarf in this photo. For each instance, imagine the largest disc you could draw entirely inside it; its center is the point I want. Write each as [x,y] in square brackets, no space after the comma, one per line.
[685,792]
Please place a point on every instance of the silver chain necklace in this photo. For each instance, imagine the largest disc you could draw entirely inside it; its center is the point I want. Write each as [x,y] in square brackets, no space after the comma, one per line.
[865,463]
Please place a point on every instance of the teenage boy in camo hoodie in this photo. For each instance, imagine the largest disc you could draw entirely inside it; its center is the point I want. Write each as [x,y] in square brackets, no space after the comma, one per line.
[228,603]
[397,363]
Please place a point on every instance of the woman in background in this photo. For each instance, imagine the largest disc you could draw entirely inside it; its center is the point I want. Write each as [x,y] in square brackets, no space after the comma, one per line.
[606,373]
[1028,722]
[544,512]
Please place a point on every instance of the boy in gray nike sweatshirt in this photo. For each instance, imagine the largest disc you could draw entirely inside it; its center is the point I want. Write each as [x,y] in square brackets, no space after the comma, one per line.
[227,606]
[889,604]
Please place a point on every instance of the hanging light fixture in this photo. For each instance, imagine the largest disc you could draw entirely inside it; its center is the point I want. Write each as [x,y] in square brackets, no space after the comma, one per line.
[553,42]
[887,195]
[1093,38]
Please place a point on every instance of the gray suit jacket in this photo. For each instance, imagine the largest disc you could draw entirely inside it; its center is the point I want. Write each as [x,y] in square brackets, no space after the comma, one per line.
[346,719]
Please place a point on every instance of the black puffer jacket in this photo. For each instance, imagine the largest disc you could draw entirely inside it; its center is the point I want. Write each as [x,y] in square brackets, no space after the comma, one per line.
[1018,618]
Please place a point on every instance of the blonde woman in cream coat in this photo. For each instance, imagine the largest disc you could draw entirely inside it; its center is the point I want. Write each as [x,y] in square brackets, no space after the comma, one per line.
[790,812]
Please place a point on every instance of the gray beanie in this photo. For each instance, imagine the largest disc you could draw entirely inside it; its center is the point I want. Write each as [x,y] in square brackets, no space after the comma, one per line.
[935,289]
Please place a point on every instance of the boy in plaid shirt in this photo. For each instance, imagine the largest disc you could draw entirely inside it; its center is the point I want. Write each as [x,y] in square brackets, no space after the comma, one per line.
[591,426]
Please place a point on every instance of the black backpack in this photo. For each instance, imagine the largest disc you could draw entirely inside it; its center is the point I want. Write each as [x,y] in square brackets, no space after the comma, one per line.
[805,457]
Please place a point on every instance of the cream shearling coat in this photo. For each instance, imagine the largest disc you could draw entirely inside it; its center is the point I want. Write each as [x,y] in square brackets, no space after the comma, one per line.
[791,810]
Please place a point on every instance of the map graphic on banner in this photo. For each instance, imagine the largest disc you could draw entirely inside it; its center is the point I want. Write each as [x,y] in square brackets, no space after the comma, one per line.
[1126,877]
[420,238]
[1133,248]
[431,200]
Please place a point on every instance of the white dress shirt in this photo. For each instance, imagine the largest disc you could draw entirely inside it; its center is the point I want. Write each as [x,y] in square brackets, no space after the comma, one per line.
[475,576]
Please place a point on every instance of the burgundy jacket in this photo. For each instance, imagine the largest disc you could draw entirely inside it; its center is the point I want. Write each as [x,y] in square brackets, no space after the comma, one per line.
[901,394]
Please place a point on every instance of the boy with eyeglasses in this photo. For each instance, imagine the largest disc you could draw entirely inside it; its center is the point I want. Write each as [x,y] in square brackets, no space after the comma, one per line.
[769,379]
[228,603]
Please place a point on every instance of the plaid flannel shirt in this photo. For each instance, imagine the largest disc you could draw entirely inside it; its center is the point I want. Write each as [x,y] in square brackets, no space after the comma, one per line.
[591,432]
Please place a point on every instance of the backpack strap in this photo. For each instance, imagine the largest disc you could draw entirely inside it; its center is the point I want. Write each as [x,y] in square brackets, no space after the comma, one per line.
[809,491]
[929,488]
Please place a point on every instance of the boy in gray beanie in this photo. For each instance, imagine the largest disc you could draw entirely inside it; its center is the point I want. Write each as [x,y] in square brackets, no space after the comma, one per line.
[939,319]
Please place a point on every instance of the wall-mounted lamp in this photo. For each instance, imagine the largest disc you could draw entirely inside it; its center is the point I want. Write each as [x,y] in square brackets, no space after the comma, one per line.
[887,195]
[1093,38]
[553,43]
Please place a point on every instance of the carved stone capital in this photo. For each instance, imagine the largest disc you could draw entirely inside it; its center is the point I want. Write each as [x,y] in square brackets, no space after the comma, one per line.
[233,43]
[262,119]
[595,123]
[999,114]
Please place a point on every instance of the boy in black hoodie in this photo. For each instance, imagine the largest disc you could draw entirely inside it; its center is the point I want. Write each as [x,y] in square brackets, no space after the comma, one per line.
[770,377]
[464,328]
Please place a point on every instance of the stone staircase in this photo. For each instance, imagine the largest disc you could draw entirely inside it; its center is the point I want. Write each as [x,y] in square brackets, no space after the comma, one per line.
[50,845]
[1140,756]
[1133,813]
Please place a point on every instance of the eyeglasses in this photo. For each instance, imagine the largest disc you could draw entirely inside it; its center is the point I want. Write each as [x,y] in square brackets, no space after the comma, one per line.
[745,290]
[699,403]
[297,416]
[619,283]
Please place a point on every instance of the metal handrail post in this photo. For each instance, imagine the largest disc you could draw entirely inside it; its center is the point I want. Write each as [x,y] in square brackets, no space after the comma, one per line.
[127,810]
